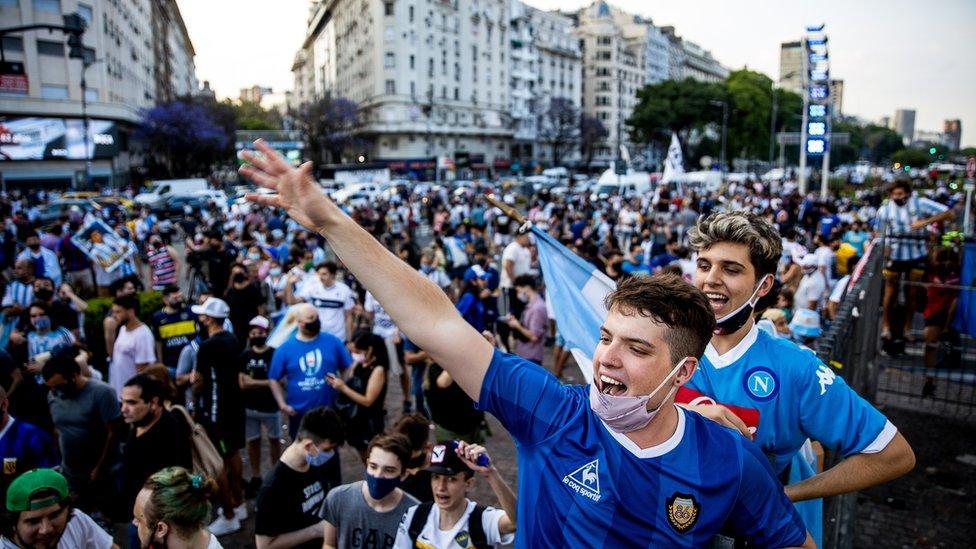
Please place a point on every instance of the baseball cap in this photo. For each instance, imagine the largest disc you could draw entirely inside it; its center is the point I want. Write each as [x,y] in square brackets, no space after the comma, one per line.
[805,323]
[277,233]
[476,271]
[445,461]
[260,322]
[212,307]
[23,488]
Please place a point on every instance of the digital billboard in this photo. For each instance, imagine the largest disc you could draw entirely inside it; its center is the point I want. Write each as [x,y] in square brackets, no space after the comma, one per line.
[44,138]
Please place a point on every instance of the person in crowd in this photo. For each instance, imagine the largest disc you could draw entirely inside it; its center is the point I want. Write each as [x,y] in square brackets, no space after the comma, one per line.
[273,287]
[263,421]
[243,296]
[361,395]
[633,360]
[172,509]
[304,360]
[857,236]
[134,348]
[77,265]
[454,414]
[220,255]
[418,429]
[110,326]
[22,446]
[174,327]
[516,261]
[634,264]
[530,329]
[19,293]
[89,427]
[46,261]
[288,511]
[813,286]
[941,298]
[471,304]
[384,327]
[157,439]
[902,220]
[40,513]
[164,263]
[62,313]
[451,515]
[797,396]
[369,511]
[332,298]
[45,336]
[219,406]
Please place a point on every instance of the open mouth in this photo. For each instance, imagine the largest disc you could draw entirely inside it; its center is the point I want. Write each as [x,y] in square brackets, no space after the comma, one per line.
[612,387]
[716,300]
[442,499]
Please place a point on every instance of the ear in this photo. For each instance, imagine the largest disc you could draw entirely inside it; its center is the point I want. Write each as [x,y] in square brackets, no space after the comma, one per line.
[687,371]
[161,531]
[766,285]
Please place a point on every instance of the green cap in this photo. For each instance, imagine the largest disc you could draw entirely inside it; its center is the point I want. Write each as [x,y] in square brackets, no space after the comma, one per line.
[23,488]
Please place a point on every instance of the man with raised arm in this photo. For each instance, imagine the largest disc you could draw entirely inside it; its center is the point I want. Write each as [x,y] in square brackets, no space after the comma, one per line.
[612,464]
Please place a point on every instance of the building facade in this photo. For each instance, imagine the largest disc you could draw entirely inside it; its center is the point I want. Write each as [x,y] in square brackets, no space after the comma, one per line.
[42,136]
[952,134]
[791,75]
[836,98]
[904,124]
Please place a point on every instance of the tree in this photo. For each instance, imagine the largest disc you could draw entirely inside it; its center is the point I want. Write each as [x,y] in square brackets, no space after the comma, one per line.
[679,106]
[750,96]
[559,127]
[329,125]
[249,115]
[592,133]
[186,137]
[915,158]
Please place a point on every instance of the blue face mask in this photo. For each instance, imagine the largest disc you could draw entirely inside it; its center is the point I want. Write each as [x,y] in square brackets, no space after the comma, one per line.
[42,323]
[319,459]
[380,487]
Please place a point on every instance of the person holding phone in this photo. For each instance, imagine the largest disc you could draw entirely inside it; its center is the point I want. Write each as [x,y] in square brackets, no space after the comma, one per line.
[362,394]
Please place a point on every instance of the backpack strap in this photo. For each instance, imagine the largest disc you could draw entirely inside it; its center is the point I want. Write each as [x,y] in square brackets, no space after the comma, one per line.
[418,521]
[476,528]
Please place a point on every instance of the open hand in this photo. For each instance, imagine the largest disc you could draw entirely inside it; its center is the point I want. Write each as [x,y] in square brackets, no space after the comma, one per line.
[335,382]
[298,194]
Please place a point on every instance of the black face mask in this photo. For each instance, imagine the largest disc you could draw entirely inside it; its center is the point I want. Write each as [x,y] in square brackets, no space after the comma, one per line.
[732,322]
[34,247]
[314,327]
[900,201]
[240,277]
[44,294]
[258,341]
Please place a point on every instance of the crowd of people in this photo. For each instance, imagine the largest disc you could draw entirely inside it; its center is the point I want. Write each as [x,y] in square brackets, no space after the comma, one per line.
[271,330]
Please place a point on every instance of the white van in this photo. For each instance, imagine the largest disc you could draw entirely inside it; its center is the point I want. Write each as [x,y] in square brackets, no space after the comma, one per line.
[164,188]
[632,183]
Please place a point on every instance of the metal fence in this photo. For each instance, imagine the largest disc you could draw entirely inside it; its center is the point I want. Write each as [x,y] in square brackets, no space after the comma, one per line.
[904,370]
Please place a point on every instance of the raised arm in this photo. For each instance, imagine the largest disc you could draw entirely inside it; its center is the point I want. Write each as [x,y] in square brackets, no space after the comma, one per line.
[416,305]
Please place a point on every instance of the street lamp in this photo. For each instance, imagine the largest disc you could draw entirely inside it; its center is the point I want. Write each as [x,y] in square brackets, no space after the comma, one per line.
[87,62]
[725,125]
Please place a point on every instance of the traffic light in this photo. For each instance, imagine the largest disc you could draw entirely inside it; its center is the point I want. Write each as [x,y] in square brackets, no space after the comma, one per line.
[75,48]
[74,23]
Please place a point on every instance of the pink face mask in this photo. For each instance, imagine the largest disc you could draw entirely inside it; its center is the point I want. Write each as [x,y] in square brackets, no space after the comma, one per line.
[624,414]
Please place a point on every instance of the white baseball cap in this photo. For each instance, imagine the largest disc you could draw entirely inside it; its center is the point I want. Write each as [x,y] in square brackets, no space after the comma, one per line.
[212,307]
[260,322]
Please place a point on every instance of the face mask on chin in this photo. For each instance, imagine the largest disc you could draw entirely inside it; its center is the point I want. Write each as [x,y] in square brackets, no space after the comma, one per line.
[732,322]
[625,414]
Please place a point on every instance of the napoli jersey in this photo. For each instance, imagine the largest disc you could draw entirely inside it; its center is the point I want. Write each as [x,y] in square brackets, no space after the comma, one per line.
[797,397]
[583,485]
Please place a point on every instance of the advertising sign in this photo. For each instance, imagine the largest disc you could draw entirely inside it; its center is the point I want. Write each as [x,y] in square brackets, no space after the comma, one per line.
[13,78]
[42,138]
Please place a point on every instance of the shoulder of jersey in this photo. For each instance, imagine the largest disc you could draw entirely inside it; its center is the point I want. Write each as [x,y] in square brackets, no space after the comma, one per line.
[787,354]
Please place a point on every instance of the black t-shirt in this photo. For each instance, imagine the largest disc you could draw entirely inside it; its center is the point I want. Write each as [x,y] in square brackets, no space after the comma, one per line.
[243,303]
[418,486]
[218,266]
[221,401]
[175,331]
[290,500]
[165,444]
[256,365]
[451,408]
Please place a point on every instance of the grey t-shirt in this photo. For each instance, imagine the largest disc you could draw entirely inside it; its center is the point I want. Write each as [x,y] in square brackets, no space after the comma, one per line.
[356,523]
[81,421]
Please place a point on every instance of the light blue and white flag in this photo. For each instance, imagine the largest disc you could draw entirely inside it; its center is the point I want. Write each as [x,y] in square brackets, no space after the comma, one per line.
[576,290]
[284,327]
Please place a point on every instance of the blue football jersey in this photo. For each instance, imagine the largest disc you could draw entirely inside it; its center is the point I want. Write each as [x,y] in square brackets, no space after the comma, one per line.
[797,396]
[584,485]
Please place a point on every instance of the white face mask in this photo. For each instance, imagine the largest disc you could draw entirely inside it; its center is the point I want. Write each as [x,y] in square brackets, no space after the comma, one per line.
[624,414]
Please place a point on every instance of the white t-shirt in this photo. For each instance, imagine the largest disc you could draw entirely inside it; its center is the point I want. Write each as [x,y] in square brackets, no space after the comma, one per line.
[81,531]
[521,259]
[383,325]
[131,348]
[332,304]
[812,288]
[433,536]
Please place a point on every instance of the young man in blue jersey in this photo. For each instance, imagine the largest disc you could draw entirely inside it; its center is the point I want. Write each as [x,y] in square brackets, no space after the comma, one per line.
[794,394]
[614,464]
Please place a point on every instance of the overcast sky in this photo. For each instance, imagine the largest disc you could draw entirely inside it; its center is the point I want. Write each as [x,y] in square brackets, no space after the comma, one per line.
[891,53]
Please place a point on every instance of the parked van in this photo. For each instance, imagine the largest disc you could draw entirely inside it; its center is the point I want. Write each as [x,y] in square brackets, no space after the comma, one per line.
[164,188]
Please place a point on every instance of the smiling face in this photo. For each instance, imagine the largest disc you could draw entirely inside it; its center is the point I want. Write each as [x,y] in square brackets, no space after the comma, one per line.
[632,356]
[727,276]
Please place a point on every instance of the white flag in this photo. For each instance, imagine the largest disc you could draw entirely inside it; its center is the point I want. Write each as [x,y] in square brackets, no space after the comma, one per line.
[674,164]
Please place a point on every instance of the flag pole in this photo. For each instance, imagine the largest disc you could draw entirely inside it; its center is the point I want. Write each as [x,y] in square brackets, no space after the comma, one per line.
[505,208]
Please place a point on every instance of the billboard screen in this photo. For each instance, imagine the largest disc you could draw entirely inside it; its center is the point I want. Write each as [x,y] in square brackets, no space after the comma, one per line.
[42,138]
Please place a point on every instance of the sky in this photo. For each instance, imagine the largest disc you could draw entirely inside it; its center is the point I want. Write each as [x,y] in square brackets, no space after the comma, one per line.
[891,54]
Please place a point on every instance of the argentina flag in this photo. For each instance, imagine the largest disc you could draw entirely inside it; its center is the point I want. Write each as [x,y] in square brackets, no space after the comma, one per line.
[576,290]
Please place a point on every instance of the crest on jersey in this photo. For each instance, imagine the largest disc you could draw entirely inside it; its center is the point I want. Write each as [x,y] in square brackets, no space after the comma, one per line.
[10,466]
[761,383]
[683,511]
[585,480]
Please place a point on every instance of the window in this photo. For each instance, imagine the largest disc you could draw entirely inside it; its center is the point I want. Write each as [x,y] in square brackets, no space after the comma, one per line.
[603,40]
[390,87]
[457,94]
[10,3]
[413,88]
[48,6]
[388,8]
[91,95]
[411,13]
[54,92]
[50,48]
[86,13]
[13,44]
[389,60]
[604,55]
[411,62]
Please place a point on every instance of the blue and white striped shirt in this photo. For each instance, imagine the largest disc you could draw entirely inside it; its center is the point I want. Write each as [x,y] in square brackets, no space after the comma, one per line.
[18,293]
[895,221]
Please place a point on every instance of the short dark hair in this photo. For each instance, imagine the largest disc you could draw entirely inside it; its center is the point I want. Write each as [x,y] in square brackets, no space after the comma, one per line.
[321,424]
[416,427]
[669,300]
[129,302]
[150,387]
[171,289]
[395,443]
[62,364]
[328,265]
[901,183]
[524,280]
[46,307]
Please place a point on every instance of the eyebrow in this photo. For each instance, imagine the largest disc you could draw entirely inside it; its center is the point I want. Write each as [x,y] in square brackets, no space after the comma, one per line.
[629,339]
[722,262]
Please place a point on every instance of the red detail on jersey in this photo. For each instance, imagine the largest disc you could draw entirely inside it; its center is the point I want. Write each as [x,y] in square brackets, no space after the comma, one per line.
[749,416]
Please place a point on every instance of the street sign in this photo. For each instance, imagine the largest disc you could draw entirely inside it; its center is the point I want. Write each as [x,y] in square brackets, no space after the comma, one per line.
[13,78]
[971,167]
[620,167]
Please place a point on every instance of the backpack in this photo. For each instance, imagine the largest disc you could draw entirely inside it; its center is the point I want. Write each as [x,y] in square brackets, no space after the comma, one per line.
[476,529]
[206,459]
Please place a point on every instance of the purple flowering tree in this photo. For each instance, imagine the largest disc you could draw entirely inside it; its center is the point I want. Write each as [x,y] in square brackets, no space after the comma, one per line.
[184,138]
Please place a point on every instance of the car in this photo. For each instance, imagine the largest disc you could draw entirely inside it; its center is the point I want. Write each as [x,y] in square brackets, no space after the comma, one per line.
[175,206]
[57,209]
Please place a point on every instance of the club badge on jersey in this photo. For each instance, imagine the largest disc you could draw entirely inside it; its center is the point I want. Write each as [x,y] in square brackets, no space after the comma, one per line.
[683,511]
